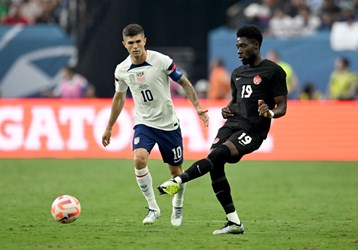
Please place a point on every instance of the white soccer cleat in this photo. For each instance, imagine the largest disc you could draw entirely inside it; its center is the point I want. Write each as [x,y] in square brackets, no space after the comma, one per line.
[177,216]
[230,228]
[151,216]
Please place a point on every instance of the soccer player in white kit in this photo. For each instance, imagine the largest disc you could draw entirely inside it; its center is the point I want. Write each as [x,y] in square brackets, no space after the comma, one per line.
[146,73]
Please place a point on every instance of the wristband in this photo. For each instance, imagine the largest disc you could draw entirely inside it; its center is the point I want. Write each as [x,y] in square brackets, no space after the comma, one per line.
[272,114]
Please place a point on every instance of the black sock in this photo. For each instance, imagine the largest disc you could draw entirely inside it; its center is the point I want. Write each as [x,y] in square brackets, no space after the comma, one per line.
[222,191]
[196,170]
[218,156]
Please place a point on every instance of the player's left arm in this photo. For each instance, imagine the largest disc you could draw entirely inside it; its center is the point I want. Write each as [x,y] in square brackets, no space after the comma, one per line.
[191,94]
[280,97]
[281,106]
[279,110]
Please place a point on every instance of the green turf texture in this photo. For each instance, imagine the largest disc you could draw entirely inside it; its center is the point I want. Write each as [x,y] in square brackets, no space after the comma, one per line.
[284,205]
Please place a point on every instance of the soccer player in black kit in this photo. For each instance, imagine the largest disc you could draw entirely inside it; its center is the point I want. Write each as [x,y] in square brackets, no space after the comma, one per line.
[259,93]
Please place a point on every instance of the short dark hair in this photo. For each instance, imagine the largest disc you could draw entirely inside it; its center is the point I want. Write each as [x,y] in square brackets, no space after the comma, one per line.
[132,30]
[251,32]
[345,61]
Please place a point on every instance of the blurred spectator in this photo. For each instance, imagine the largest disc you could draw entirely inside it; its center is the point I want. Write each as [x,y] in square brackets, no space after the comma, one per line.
[41,11]
[306,23]
[292,7]
[51,12]
[343,82]
[329,6]
[314,5]
[4,9]
[219,81]
[280,25]
[31,9]
[258,14]
[327,20]
[344,36]
[72,85]
[235,14]
[291,78]
[355,4]
[309,92]
[201,88]
[348,12]
[15,16]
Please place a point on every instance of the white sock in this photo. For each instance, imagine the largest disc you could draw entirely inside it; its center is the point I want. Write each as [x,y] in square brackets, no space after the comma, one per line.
[233,217]
[178,198]
[144,180]
[178,180]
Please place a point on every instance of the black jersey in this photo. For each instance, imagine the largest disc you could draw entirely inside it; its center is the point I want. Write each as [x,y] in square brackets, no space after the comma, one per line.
[250,84]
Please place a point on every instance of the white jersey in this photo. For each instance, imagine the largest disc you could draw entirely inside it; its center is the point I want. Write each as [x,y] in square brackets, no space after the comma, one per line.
[150,87]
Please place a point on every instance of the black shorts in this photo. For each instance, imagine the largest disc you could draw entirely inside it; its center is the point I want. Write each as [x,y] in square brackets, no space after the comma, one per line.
[245,141]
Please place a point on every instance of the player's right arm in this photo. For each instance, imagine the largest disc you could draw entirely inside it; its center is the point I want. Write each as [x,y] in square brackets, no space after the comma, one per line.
[230,109]
[117,106]
[191,94]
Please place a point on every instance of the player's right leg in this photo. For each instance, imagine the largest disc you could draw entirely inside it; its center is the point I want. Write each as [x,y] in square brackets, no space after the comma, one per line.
[202,166]
[217,157]
[142,145]
[222,190]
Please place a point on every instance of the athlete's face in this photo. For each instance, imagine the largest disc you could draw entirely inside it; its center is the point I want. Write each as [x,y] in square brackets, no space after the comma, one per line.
[247,50]
[135,46]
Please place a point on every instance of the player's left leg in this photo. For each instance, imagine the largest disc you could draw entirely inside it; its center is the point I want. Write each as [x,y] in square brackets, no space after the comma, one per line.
[222,191]
[239,144]
[171,148]
[178,198]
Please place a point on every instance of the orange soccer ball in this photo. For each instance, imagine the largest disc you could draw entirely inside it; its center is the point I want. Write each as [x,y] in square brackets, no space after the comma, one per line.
[66,209]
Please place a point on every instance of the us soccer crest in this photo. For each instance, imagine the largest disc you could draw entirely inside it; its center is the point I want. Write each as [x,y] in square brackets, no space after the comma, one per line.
[257,80]
[140,77]
[136,140]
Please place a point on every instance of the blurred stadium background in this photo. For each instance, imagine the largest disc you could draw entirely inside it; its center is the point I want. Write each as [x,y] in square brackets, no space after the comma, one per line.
[298,191]
[87,35]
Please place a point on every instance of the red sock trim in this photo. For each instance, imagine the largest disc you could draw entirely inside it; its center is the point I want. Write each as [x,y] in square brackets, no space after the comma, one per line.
[141,176]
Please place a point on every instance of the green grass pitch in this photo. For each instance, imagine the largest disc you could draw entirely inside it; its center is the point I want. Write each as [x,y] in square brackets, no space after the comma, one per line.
[284,205]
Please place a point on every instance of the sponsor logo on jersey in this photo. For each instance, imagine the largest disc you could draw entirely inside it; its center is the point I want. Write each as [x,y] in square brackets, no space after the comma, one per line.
[257,80]
[132,79]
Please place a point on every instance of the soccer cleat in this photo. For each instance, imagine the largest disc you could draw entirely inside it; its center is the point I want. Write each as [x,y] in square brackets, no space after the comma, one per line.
[231,228]
[169,187]
[177,216]
[151,216]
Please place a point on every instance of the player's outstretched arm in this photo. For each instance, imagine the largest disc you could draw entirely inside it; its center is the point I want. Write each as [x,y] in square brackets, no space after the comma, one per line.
[191,94]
